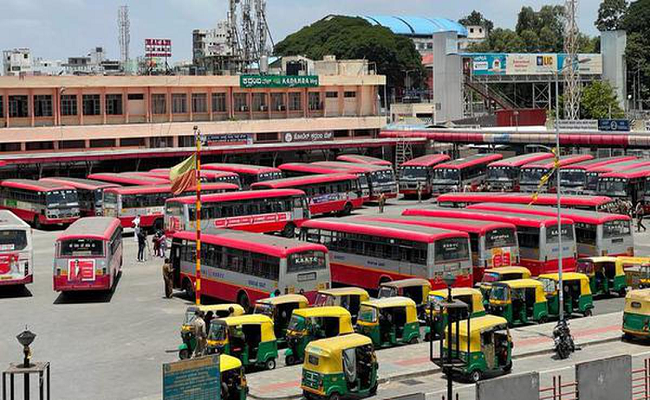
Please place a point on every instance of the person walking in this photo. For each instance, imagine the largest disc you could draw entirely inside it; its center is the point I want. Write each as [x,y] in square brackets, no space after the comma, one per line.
[136,227]
[168,278]
[639,211]
[142,244]
[382,203]
[419,192]
[198,326]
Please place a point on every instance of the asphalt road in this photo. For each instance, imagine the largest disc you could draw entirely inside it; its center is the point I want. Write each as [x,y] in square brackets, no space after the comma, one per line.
[112,346]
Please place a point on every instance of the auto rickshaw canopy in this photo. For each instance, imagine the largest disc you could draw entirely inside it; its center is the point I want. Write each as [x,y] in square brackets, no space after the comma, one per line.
[475,295]
[266,324]
[395,302]
[638,301]
[540,296]
[630,261]
[346,291]
[618,267]
[343,315]
[285,299]
[226,363]
[568,277]
[477,326]
[216,308]
[329,352]
[410,282]
[509,270]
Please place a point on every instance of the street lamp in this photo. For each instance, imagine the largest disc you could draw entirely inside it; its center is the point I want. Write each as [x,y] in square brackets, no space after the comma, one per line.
[25,339]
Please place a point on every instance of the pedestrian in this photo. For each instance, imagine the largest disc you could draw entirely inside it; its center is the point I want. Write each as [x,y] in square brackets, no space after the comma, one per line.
[639,211]
[419,189]
[136,227]
[142,244]
[276,293]
[200,334]
[163,245]
[382,203]
[168,278]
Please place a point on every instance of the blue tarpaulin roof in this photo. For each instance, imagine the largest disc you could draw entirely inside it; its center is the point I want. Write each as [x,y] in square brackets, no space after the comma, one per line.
[416,26]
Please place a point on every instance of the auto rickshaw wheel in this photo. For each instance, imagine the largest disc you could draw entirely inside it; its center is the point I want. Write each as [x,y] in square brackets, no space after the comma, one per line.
[543,319]
[184,354]
[475,376]
[290,360]
[270,364]
[414,340]
[334,396]
[508,367]
[622,292]
[587,313]
[243,301]
[373,390]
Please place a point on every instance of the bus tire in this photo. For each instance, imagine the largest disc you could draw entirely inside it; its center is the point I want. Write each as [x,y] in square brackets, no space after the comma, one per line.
[36,223]
[347,210]
[188,287]
[242,300]
[289,230]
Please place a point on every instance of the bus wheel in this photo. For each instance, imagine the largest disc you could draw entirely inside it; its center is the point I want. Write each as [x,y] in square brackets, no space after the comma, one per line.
[188,288]
[347,210]
[243,301]
[37,223]
[289,231]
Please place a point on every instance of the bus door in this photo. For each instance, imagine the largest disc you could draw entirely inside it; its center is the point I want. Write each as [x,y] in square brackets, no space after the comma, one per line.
[176,262]
[300,208]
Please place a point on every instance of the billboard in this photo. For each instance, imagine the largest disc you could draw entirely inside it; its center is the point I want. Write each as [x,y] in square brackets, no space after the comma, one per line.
[530,64]
[157,48]
[489,64]
[278,81]
[494,64]
[591,64]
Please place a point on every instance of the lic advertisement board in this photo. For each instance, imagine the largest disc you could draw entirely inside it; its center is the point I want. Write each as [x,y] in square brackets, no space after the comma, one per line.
[495,64]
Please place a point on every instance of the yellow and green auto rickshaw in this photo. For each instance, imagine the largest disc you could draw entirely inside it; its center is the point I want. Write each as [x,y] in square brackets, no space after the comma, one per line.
[636,315]
[416,289]
[186,349]
[520,301]
[389,321]
[637,271]
[340,367]
[279,309]
[233,380]
[501,274]
[606,276]
[349,298]
[470,296]
[483,349]
[309,324]
[577,293]
[248,337]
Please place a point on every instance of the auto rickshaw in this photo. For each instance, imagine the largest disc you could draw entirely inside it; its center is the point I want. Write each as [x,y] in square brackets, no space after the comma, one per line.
[248,337]
[416,289]
[520,301]
[472,297]
[501,274]
[636,315]
[577,293]
[309,324]
[637,271]
[233,380]
[279,309]
[349,298]
[389,321]
[485,348]
[210,312]
[340,367]
[606,276]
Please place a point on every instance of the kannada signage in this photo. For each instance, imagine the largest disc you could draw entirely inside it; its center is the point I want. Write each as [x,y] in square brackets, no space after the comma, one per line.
[578,125]
[195,379]
[278,81]
[229,138]
[317,136]
[154,48]
[614,125]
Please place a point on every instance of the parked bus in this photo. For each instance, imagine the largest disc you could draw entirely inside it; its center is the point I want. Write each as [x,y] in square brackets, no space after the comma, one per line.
[381,179]
[573,178]
[597,233]
[248,174]
[419,172]
[16,253]
[261,211]
[530,175]
[128,179]
[294,170]
[245,267]
[148,202]
[462,200]
[503,175]
[89,192]
[206,176]
[367,253]
[493,244]
[594,173]
[359,159]
[454,175]
[88,255]
[625,185]
[537,236]
[331,193]
[40,203]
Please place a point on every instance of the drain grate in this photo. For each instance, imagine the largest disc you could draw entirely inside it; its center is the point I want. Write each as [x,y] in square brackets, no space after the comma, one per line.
[410,382]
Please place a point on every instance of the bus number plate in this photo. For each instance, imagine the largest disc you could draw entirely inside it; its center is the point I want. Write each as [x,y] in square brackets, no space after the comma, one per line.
[307,277]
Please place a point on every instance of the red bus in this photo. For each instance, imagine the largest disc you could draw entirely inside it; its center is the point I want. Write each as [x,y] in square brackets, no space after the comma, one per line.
[381,179]
[537,236]
[148,202]
[573,178]
[493,244]
[594,173]
[627,185]
[128,179]
[245,267]
[419,172]
[454,175]
[88,255]
[90,193]
[248,174]
[206,176]
[462,200]
[597,233]
[40,203]
[503,175]
[294,170]
[359,159]
[367,253]
[531,174]
[261,211]
[330,193]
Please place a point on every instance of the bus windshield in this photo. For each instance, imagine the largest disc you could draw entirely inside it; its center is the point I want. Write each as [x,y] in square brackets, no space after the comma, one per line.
[446,175]
[414,173]
[306,261]
[367,314]
[98,197]
[57,198]
[385,176]
[500,237]
[532,175]
[592,181]
[269,176]
[501,173]
[618,228]
[82,247]
[451,249]
[572,177]
[13,240]
[613,186]
[499,293]
[110,199]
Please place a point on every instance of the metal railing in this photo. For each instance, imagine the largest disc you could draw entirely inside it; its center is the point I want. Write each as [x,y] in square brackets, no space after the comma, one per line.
[641,381]
[559,390]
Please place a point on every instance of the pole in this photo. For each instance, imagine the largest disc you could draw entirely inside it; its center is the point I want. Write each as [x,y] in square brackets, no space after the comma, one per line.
[559,190]
[197,291]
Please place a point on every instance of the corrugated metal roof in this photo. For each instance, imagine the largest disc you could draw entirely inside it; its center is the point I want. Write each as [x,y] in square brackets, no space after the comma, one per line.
[416,26]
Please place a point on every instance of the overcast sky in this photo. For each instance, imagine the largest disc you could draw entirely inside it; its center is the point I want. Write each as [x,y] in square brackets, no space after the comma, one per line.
[57,29]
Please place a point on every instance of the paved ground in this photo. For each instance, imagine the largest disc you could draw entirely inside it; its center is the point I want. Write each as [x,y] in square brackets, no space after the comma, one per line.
[112,347]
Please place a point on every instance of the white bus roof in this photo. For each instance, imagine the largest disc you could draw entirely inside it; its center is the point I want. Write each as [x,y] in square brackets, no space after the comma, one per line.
[9,220]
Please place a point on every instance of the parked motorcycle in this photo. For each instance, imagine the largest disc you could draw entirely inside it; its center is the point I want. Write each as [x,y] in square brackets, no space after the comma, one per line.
[563,340]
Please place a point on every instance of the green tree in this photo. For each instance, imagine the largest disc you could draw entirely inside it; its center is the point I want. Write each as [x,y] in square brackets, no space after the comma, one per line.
[610,14]
[636,22]
[354,38]
[599,101]
[478,19]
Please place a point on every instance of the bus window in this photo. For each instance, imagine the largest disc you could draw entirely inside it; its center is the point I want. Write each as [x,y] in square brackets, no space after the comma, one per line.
[82,247]
[586,233]
[616,229]
[13,240]
[306,261]
[528,237]
[500,237]
[451,249]
[551,233]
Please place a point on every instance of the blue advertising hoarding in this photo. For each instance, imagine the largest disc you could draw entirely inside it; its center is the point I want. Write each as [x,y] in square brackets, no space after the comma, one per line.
[489,64]
[195,379]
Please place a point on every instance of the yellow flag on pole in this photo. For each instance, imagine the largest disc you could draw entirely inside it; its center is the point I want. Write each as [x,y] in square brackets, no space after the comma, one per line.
[183,175]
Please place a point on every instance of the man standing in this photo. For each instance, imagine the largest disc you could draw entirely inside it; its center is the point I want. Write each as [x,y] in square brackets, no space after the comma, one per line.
[639,211]
[382,203]
[168,277]
[142,243]
[198,326]
[419,192]
[136,227]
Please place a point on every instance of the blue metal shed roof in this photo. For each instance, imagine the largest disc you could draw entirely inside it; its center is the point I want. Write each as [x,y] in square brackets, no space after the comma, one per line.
[416,26]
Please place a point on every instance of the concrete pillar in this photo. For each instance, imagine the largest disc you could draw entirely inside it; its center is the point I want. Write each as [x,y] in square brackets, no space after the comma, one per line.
[612,44]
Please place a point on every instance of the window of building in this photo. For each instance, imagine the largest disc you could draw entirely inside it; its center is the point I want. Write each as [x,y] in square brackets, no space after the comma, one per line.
[331,95]
[91,104]
[350,95]
[259,102]
[2,106]
[135,96]
[114,104]
[241,101]
[267,137]
[199,103]
[68,104]
[277,102]
[218,102]
[159,104]
[43,105]
[18,107]
[179,103]
[295,101]
[314,101]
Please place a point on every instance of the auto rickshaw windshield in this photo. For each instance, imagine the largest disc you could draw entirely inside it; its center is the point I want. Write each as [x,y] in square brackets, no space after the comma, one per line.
[218,331]
[490,277]
[324,300]
[436,300]
[499,293]
[264,309]
[367,314]
[297,323]
[386,291]
[190,316]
